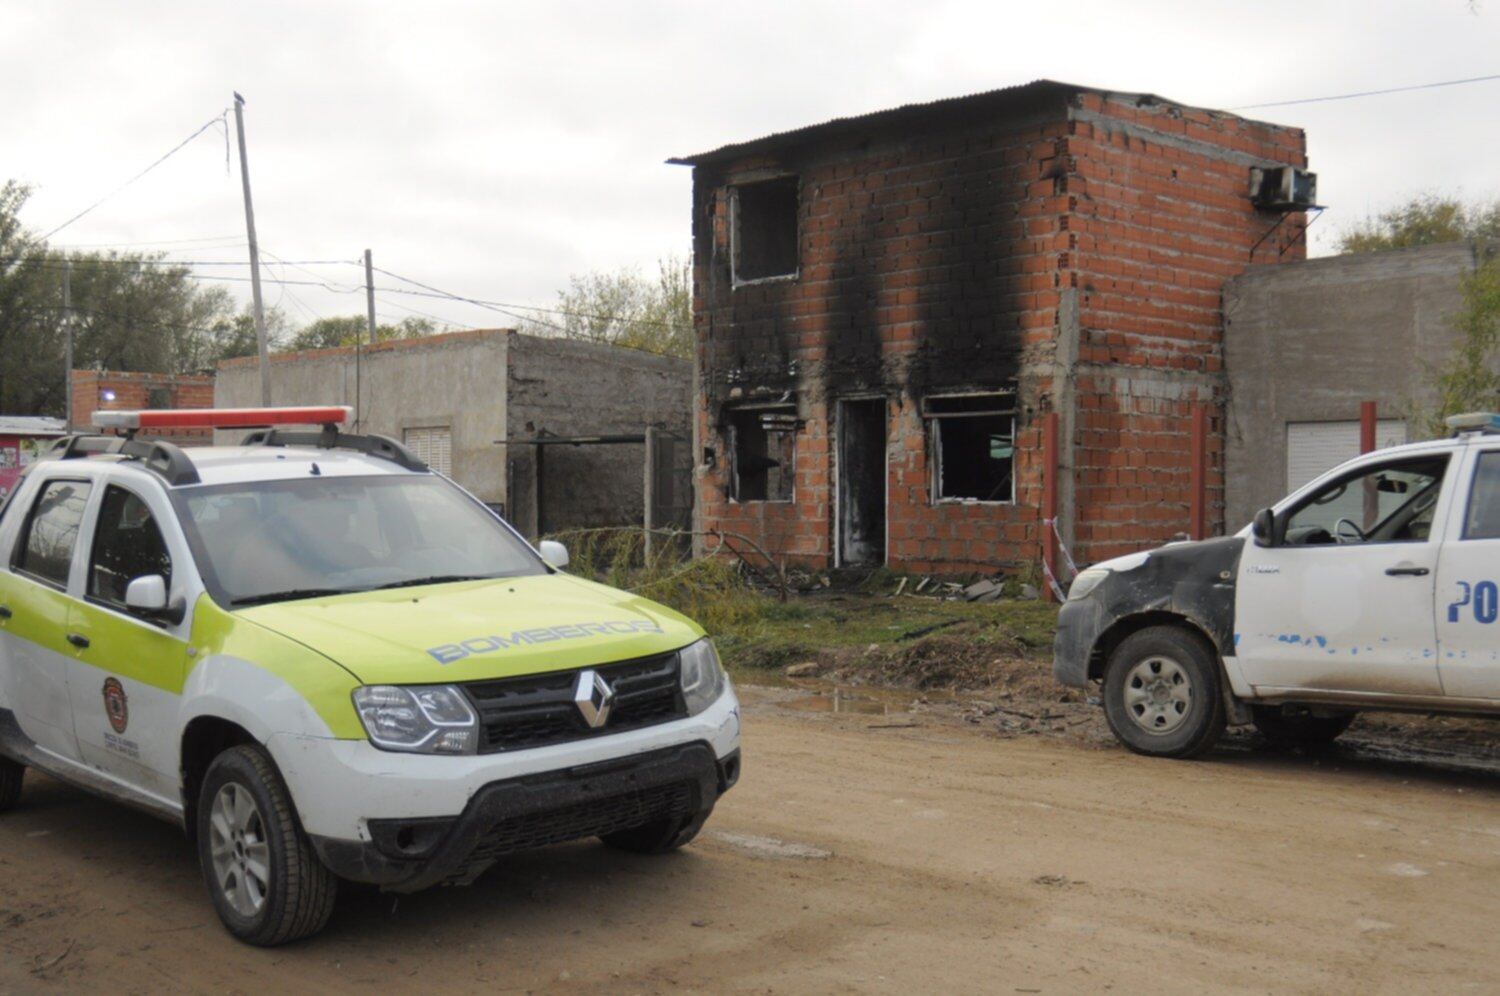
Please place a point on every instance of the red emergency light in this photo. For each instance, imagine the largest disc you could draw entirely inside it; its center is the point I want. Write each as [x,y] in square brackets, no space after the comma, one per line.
[222,418]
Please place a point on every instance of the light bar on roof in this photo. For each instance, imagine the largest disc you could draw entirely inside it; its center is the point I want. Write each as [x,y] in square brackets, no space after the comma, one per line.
[1485,422]
[223,418]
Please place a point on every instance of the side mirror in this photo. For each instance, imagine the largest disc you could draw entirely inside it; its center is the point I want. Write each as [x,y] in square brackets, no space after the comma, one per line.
[553,553]
[1263,528]
[147,597]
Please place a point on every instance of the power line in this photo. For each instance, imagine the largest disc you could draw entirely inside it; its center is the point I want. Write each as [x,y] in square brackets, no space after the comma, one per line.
[232,239]
[218,119]
[1368,93]
[169,261]
[500,306]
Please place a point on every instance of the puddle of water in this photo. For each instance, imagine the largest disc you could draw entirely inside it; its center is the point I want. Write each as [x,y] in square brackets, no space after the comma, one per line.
[839,700]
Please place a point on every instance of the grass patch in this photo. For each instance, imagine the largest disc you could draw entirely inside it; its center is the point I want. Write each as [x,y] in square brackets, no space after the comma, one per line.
[755,631]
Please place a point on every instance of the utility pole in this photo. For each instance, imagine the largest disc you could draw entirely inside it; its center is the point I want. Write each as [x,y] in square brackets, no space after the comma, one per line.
[359,408]
[67,289]
[260,315]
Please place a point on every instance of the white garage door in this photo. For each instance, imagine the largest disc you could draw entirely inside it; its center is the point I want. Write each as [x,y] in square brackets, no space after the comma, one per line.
[433,446]
[1313,447]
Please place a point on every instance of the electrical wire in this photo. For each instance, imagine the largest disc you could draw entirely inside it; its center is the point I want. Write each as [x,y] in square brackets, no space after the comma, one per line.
[1367,93]
[220,119]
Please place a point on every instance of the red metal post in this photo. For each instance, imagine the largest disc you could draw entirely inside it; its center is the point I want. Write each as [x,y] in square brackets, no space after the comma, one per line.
[1049,500]
[1366,427]
[1198,475]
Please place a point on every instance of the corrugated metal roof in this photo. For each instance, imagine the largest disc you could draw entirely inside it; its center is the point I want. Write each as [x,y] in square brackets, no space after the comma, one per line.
[31,425]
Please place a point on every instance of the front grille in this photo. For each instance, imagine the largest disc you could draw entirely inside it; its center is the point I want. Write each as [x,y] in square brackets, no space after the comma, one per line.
[594,818]
[538,710]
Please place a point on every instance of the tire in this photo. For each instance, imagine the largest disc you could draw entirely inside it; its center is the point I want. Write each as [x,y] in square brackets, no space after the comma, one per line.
[245,817]
[661,837]
[11,776]
[1163,695]
[1299,729]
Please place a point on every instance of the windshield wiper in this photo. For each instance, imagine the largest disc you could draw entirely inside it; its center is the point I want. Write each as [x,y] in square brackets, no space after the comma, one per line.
[288,595]
[434,579]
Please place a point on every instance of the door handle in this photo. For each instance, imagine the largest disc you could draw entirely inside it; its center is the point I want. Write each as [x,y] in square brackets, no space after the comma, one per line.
[78,640]
[1407,572]
[5,612]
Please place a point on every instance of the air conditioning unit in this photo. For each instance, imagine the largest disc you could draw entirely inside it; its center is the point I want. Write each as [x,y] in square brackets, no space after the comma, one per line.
[1283,188]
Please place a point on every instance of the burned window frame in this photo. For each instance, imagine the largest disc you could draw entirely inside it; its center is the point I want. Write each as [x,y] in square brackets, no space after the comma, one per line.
[758,413]
[940,408]
[736,225]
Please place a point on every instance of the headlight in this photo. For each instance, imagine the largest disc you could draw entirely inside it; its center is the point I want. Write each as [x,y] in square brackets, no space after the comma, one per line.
[1086,582]
[428,719]
[703,677]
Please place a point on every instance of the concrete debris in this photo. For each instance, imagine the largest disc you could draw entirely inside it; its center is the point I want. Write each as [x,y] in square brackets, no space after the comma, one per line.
[1030,593]
[803,670]
[976,591]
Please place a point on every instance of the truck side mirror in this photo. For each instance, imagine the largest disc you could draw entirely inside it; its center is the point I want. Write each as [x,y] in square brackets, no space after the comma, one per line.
[554,553]
[1263,528]
[146,596]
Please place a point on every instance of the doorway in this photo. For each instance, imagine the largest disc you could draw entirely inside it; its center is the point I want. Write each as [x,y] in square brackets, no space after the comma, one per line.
[861,482]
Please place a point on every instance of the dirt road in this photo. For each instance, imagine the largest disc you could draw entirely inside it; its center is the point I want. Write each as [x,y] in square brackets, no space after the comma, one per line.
[860,853]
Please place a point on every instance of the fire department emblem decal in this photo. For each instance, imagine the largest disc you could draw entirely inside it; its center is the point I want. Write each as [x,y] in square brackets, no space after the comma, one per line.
[115,706]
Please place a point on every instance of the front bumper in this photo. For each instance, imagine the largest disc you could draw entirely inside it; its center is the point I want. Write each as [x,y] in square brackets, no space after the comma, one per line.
[1079,625]
[346,790]
[675,783]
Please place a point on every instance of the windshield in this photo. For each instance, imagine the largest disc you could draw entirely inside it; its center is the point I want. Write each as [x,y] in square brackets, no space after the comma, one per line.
[272,541]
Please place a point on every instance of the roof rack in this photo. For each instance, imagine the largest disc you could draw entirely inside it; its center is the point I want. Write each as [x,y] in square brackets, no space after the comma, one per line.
[329,438]
[161,457]
[1484,423]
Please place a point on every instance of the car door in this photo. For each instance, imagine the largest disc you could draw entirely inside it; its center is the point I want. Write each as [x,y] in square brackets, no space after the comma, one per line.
[1468,585]
[126,683]
[34,605]
[1343,600]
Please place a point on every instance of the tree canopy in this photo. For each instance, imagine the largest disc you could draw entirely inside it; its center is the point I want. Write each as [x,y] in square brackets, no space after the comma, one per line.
[1425,220]
[625,308]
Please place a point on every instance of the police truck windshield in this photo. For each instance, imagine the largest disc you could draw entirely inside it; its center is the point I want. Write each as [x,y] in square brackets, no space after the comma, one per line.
[271,541]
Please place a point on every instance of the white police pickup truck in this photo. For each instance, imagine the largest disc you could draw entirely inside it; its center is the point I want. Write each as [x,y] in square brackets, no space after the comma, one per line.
[1377,586]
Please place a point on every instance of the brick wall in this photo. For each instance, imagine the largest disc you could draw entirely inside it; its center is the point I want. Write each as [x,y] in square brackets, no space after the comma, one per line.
[135,390]
[1067,244]
[1157,219]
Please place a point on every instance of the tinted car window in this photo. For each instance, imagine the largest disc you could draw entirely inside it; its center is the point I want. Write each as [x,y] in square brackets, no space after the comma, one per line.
[1484,499]
[1389,503]
[127,545]
[46,547]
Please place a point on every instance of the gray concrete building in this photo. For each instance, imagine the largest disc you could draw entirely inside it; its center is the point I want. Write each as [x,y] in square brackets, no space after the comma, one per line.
[473,405]
[1305,344]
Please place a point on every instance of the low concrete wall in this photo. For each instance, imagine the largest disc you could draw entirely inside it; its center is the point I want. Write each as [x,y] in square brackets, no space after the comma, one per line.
[563,387]
[1307,342]
[456,380]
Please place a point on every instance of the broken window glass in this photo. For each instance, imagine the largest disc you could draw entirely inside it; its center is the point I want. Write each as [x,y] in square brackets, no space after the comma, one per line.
[765,229]
[763,450]
[974,446]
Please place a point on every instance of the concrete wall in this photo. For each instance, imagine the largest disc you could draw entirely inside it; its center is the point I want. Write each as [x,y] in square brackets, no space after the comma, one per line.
[1309,342]
[562,387]
[456,380]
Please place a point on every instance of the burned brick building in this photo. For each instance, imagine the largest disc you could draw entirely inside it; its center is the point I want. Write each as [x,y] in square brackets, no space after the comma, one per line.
[887,308]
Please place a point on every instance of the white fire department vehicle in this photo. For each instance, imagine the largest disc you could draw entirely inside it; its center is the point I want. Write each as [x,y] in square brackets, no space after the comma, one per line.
[327,661]
[1376,586]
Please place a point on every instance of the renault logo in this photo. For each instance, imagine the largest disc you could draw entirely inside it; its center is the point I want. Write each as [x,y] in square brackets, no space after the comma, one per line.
[594,698]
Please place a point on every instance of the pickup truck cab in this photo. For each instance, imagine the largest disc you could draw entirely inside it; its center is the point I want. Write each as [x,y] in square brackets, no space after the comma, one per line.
[326,661]
[1373,587]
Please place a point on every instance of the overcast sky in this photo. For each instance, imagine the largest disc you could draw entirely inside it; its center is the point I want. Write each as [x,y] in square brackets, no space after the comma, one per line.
[494,148]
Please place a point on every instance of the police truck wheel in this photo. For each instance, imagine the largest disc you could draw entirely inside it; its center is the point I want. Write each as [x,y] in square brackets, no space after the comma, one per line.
[1299,728]
[11,774]
[660,837]
[1162,693]
[265,880]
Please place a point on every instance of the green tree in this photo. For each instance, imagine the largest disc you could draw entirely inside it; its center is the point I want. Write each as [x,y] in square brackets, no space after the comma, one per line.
[1425,220]
[346,330]
[625,308]
[1469,379]
[30,360]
